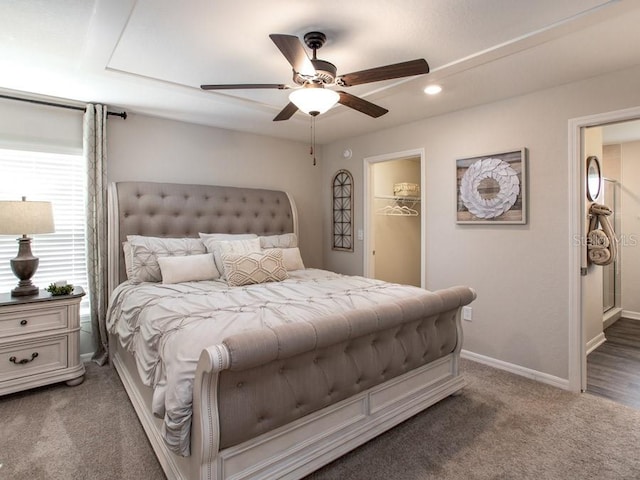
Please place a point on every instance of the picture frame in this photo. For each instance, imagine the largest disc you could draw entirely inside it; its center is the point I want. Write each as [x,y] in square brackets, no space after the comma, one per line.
[492,188]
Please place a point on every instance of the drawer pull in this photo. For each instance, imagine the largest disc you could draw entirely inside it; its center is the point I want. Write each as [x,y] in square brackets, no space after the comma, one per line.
[24,360]
[23,322]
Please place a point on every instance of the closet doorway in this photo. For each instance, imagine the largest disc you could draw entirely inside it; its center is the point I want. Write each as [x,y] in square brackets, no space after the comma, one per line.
[394,220]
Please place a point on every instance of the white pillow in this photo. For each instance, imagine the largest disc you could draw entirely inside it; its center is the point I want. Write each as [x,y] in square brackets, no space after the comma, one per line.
[255,267]
[145,252]
[286,240]
[291,258]
[191,268]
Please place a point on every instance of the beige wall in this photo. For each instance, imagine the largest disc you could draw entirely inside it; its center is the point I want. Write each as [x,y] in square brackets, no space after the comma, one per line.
[520,272]
[592,298]
[630,226]
[612,170]
[397,238]
[159,150]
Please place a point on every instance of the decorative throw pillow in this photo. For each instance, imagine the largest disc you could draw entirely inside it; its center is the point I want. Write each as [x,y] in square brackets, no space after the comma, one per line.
[286,240]
[146,250]
[191,268]
[220,247]
[256,267]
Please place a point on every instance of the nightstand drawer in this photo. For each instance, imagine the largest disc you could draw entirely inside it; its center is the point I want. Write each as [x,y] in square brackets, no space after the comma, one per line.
[30,358]
[34,320]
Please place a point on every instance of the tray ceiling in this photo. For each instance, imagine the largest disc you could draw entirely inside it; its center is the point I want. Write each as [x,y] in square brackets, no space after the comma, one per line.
[150,56]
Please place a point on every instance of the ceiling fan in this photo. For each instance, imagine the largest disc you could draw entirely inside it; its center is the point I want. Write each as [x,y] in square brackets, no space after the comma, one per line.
[311,76]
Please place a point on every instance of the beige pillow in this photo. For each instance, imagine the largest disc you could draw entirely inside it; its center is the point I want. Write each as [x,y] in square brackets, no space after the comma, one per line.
[255,267]
[188,269]
[286,240]
[126,249]
[291,258]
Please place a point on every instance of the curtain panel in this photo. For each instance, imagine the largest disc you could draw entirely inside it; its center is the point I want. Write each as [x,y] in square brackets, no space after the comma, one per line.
[95,149]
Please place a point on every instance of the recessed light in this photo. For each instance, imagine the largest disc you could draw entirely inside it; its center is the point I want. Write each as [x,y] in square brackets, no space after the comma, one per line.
[433,89]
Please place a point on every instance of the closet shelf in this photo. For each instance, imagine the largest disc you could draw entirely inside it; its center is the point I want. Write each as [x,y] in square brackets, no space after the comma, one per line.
[399,206]
[398,198]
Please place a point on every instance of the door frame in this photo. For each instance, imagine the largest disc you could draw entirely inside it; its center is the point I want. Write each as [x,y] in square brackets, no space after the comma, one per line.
[369,244]
[577,226]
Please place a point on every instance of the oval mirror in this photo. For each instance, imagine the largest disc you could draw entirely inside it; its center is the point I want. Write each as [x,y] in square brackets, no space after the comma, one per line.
[594,178]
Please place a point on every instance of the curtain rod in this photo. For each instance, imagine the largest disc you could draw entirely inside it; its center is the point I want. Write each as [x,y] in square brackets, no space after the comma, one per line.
[122,115]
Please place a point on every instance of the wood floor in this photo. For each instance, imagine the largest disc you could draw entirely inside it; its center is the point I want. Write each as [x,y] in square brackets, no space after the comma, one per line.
[613,369]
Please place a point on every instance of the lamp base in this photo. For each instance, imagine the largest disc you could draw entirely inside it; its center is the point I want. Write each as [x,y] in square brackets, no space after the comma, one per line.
[24,266]
[25,290]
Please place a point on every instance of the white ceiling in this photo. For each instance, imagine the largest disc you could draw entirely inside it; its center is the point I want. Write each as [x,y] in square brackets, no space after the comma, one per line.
[150,56]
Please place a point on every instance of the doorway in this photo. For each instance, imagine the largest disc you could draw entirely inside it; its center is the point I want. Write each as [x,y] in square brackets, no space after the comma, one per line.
[591,286]
[394,219]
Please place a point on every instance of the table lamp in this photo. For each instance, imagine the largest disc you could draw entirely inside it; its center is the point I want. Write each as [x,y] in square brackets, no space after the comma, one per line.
[23,218]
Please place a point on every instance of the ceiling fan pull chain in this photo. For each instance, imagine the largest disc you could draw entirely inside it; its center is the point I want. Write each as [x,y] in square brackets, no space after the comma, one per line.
[313,139]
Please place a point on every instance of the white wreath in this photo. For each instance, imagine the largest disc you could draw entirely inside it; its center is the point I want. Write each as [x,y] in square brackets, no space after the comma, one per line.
[497,170]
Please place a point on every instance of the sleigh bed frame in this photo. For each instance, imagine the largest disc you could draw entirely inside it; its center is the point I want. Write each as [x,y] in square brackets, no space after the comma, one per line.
[382,397]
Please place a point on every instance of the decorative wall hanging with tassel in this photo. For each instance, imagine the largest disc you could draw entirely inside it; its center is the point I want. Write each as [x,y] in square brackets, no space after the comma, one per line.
[602,244]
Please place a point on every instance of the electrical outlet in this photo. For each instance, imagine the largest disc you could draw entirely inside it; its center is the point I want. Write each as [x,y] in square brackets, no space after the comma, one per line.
[467,313]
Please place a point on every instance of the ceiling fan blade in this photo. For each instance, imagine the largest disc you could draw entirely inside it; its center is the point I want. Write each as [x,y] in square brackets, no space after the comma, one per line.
[294,52]
[361,105]
[239,86]
[397,70]
[286,113]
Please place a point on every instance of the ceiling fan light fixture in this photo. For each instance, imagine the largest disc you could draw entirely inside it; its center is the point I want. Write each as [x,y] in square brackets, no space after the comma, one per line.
[314,100]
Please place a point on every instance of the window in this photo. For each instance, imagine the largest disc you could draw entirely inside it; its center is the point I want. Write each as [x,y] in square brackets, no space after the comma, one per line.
[60,179]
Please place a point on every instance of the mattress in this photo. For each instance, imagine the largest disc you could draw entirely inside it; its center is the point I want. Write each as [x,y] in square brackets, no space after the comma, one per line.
[167,326]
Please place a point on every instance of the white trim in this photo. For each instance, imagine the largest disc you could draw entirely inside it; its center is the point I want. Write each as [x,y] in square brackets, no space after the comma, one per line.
[517,369]
[368,240]
[631,315]
[610,317]
[86,357]
[577,353]
[595,342]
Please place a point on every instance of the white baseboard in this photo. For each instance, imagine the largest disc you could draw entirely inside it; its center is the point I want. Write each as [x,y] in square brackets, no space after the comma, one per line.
[631,315]
[517,369]
[595,342]
[86,357]
[610,317]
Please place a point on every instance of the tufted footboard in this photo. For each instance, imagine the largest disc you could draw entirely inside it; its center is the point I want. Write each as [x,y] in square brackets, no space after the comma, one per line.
[370,369]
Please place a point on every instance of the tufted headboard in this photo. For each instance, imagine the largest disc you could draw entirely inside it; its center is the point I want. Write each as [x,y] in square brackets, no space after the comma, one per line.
[181,210]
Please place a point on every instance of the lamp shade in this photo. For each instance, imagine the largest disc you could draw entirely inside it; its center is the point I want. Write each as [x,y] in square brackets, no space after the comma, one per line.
[26,217]
[315,100]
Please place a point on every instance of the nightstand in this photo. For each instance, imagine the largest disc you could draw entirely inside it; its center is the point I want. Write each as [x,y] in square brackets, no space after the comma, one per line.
[40,340]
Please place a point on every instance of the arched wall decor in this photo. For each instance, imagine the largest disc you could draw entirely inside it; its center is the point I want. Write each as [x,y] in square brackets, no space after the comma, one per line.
[342,197]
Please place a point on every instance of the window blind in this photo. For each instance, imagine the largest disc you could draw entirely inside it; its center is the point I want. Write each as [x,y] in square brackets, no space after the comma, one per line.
[61,180]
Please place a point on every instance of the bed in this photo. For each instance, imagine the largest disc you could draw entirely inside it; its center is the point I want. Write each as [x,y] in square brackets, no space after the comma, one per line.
[264,380]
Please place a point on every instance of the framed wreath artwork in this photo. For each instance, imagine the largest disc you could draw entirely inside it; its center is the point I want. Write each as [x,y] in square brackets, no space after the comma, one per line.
[492,188]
